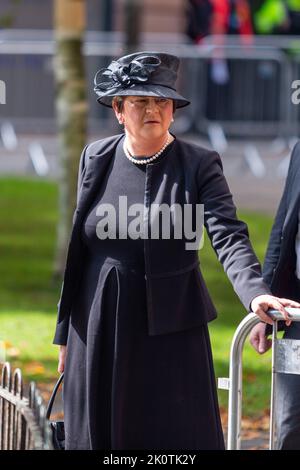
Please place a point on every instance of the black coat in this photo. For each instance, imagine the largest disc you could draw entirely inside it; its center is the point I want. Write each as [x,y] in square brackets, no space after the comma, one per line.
[177,297]
[280,261]
[150,385]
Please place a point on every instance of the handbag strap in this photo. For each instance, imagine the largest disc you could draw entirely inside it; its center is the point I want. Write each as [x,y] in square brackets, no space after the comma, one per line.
[53,394]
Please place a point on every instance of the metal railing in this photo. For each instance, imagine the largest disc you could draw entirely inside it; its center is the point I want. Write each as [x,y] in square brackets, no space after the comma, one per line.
[281,362]
[23,424]
[258,91]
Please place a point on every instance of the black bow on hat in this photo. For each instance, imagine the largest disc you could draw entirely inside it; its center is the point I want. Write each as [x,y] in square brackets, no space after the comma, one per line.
[140,74]
[137,71]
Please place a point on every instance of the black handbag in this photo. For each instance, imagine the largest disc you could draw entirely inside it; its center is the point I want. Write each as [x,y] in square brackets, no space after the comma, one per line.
[57,427]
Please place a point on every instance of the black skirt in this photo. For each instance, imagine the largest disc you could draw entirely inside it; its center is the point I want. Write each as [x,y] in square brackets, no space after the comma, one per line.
[124,389]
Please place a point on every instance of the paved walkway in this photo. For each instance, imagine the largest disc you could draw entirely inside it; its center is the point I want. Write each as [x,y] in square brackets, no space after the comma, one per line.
[249,192]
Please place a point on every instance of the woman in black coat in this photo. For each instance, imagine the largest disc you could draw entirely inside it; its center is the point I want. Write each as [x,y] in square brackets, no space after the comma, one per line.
[133,313]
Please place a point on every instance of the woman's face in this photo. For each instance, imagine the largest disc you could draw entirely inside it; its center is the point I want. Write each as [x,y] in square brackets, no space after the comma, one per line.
[146,117]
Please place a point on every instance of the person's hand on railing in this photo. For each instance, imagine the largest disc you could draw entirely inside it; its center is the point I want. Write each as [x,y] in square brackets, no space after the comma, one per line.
[262,303]
[258,338]
[61,359]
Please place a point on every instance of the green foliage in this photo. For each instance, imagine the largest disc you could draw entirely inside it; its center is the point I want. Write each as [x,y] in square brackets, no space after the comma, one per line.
[7,20]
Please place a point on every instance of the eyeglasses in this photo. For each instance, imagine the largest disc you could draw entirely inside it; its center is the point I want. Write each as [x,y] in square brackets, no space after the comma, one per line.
[144,102]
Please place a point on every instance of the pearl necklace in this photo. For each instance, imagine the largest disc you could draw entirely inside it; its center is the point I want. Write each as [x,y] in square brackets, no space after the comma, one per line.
[140,161]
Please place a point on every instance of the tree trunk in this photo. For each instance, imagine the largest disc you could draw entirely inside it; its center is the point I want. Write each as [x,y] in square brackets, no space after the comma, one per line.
[71,112]
[132,25]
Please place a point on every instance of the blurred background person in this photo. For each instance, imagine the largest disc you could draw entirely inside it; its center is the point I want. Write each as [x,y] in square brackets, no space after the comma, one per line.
[278,17]
[199,15]
[281,272]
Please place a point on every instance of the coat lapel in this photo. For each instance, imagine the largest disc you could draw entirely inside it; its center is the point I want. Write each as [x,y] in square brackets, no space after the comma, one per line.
[294,201]
[97,166]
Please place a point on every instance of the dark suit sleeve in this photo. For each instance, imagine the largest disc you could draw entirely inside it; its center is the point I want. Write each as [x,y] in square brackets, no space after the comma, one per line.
[62,328]
[274,245]
[273,250]
[229,236]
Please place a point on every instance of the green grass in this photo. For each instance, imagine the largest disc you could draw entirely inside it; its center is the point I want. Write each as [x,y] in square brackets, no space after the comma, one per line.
[28,217]
[28,337]
[28,294]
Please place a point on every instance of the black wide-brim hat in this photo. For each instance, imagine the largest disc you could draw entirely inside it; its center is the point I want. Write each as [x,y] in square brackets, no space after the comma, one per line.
[140,74]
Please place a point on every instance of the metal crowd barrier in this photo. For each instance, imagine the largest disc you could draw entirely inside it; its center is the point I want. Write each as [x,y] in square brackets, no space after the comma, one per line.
[23,424]
[255,102]
[285,359]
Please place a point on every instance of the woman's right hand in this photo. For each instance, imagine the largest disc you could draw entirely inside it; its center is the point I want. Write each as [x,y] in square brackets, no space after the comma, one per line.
[258,338]
[61,359]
